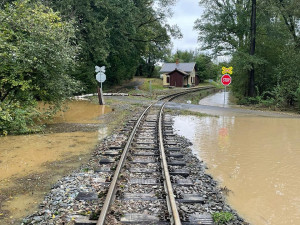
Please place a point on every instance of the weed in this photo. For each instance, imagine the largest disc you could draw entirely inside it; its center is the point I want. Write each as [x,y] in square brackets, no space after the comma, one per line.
[94,215]
[222,217]
[85,170]
[102,194]
[192,113]
[225,190]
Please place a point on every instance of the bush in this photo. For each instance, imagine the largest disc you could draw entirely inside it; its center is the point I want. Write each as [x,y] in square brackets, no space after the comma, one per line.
[17,119]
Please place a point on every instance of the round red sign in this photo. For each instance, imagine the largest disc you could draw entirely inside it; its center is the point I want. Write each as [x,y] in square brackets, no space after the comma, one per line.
[226,80]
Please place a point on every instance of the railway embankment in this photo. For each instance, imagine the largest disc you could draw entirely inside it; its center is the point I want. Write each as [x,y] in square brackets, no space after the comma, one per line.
[78,197]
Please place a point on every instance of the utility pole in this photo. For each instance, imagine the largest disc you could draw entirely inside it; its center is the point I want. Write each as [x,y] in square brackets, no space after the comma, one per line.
[251,88]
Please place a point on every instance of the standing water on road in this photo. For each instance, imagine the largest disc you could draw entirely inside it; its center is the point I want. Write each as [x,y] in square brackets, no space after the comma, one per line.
[256,158]
[219,99]
[29,164]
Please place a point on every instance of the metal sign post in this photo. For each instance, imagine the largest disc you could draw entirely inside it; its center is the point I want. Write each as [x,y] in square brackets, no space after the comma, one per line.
[100,77]
[226,79]
[224,96]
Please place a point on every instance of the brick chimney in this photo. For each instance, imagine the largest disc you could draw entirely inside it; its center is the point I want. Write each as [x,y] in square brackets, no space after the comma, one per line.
[177,63]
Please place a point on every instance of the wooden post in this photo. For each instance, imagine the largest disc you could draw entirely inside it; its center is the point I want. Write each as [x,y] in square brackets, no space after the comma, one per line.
[150,87]
[100,96]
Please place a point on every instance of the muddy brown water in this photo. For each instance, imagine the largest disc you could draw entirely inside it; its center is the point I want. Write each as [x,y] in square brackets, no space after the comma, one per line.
[30,164]
[256,158]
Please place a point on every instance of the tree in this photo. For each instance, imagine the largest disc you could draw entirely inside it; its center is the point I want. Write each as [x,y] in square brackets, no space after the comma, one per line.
[251,89]
[90,18]
[227,27]
[125,36]
[224,27]
[37,50]
[290,12]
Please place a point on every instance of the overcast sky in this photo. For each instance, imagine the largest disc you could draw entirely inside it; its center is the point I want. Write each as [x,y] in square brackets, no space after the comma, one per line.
[185,14]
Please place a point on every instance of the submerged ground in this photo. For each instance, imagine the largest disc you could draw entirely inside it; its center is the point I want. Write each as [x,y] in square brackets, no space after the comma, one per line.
[31,164]
[254,154]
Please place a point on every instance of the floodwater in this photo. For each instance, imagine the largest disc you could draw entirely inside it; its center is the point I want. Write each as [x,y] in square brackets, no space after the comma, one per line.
[79,112]
[220,99]
[256,158]
[30,164]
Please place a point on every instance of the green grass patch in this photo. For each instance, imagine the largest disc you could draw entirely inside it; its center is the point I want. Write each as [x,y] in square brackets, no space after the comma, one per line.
[222,217]
[186,113]
[156,84]
[192,113]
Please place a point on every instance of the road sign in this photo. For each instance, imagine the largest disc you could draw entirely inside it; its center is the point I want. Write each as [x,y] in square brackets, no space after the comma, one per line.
[100,69]
[226,79]
[100,77]
[227,70]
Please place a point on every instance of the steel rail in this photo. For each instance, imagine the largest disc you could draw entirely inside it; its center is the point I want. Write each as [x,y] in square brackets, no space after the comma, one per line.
[113,185]
[168,185]
[112,188]
[195,89]
[170,197]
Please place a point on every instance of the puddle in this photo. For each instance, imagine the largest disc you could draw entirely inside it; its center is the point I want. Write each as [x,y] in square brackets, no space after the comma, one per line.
[257,158]
[31,164]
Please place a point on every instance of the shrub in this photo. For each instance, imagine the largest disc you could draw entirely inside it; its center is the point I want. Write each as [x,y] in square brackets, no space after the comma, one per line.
[17,119]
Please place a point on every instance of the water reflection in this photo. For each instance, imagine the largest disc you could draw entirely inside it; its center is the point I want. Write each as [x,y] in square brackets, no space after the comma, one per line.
[255,157]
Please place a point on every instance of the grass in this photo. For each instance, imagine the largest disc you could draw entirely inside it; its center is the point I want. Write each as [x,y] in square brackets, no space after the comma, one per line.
[192,113]
[194,97]
[222,217]
[156,84]
[186,113]
[216,84]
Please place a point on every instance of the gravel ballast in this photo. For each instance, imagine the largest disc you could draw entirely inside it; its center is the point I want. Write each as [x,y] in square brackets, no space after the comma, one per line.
[81,194]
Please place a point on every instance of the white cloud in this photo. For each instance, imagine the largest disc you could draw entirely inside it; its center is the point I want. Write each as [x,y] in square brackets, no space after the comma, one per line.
[185,14]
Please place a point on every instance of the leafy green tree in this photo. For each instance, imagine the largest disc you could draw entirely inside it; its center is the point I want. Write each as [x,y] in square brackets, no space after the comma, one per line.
[206,69]
[225,29]
[224,26]
[127,36]
[37,50]
[90,18]
[182,56]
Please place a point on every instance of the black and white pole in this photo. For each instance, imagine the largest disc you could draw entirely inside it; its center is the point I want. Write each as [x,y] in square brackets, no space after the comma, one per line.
[100,77]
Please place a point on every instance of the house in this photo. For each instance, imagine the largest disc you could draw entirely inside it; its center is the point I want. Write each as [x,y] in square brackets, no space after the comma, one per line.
[179,74]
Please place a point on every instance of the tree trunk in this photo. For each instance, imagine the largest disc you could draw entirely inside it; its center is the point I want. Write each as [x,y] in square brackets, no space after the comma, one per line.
[251,89]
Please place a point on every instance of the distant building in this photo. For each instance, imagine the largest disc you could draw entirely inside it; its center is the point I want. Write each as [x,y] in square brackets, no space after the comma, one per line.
[179,74]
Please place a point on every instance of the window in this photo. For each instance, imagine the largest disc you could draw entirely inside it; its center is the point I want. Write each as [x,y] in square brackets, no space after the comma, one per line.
[168,80]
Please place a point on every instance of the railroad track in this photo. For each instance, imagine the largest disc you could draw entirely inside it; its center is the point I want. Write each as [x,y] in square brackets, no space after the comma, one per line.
[151,178]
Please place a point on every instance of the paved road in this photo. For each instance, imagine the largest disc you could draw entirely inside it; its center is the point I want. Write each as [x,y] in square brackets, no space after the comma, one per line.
[212,110]
[225,111]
